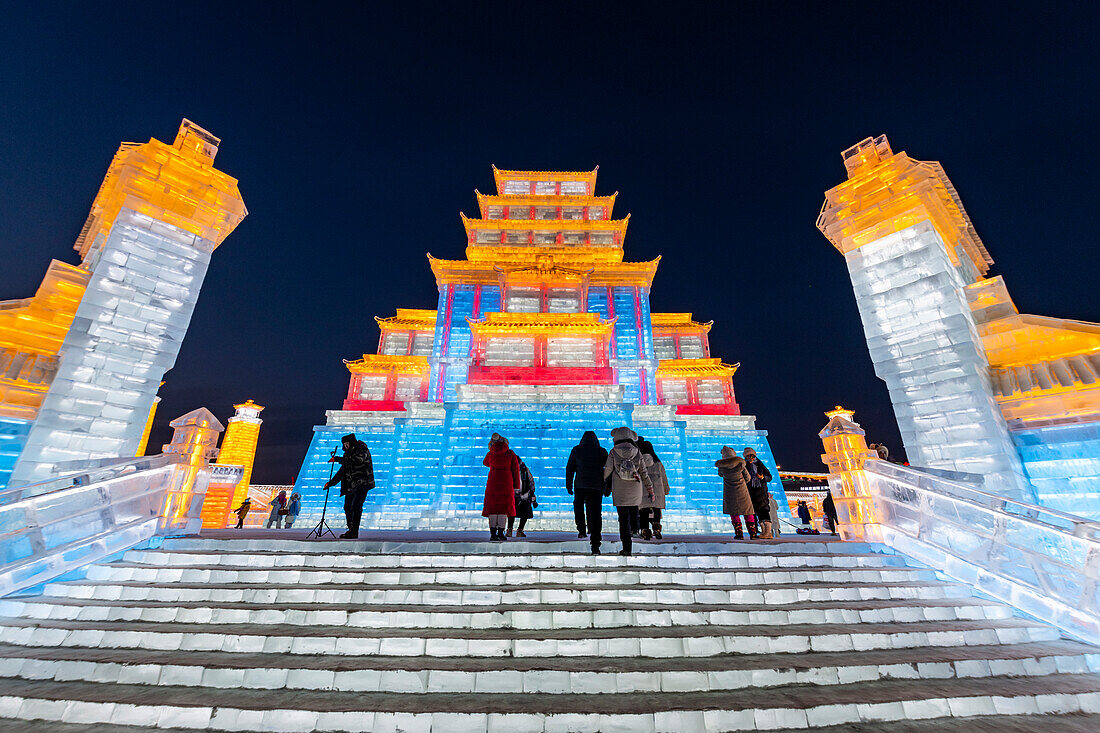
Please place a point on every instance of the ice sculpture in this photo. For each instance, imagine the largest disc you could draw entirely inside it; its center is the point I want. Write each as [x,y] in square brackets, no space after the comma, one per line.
[541,333]
[82,360]
[239,444]
[977,387]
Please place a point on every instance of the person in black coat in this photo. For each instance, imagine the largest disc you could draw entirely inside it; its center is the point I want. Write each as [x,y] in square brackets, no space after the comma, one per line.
[584,480]
[828,508]
[356,478]
[759,476]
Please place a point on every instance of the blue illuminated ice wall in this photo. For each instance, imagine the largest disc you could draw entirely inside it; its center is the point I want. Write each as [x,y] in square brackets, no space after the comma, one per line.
[1063,463]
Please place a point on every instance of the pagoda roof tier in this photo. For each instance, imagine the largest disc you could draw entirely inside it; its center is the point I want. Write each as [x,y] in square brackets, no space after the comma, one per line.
[485,200]
[677,322]
[503,176]
[692,368]
[547,225]
[551,324]
[387,364]
[419,319]
[466,272]
[567,255]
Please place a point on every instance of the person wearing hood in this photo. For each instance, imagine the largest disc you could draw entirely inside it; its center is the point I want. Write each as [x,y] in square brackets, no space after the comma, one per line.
[630,481]
[356,478]
[828,508]
[293,509]
[242,511]
[525,500]
[759,476]
[501,487]
[774,506]
[584,480]
[278,506]
[736,501]
[649,511]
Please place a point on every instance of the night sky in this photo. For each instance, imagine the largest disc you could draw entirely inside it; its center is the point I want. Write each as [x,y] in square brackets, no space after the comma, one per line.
[358,133]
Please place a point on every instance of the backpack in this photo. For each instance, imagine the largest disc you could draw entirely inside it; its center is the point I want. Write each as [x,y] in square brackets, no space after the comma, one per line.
[626,470]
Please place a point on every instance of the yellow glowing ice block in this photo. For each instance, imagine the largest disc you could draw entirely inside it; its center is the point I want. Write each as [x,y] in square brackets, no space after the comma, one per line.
[239,444]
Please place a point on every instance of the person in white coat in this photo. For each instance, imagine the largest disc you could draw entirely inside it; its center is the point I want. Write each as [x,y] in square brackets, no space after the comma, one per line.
[651,508]
[629,482]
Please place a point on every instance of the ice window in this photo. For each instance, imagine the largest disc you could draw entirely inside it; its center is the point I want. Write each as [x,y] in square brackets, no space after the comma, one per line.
[595,212]
[396,343]
[664,347]
[546,212]
[372,387]
[691,347]
[545,238]
[519,212]
[574,188]
[509,352]
[573,237]
[710,392]
[523,300]
[488,236]
[572,212]
[494,212]
[546,188]
[515,237]
[674,391]
[422,344]
[603,238]
[567,351]
[517,187]
[563,300]
[408,389]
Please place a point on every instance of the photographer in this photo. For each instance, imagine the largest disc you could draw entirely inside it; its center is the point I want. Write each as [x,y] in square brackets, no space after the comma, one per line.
[356,478]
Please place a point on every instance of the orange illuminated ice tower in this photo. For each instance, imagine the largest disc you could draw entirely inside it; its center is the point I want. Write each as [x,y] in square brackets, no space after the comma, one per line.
[543,330]
[81,360]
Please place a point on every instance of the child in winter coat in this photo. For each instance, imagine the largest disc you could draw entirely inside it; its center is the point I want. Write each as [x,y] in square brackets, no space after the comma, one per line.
[501,486]
[736,501]
[649,511]
[278,506]
[630,481]
[293,509]
[525,500]
[242,511]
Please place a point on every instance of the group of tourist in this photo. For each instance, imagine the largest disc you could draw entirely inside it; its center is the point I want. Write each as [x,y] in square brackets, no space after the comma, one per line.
[632,474]
[283,509]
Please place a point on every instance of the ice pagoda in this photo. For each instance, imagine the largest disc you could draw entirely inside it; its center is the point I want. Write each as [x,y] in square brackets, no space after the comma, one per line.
[542,332]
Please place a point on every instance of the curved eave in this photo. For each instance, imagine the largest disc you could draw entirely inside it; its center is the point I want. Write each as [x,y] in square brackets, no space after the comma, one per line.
[692,368]
[485,200]
[500,176]
[387,364]
[625,274]
[554,225]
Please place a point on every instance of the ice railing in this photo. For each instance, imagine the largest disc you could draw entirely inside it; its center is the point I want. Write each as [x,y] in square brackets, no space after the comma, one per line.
[1043,562]
[55,526]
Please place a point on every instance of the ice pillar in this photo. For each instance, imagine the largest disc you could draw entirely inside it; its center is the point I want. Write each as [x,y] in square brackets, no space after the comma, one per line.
[911,251]
[159,214]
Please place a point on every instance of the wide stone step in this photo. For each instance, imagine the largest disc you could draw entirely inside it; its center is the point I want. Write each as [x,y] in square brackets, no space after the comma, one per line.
[477,578]
[255,559]
[658,641]
[789,706]
[538,675]
[442,595]
[522,617]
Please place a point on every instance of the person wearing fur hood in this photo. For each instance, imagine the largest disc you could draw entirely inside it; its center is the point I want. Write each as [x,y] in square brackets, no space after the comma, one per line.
[736,501]
[629,482]
[759,476]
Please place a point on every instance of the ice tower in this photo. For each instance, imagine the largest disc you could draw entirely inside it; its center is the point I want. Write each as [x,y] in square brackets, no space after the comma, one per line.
[81,361]
[977,387]
[541,332]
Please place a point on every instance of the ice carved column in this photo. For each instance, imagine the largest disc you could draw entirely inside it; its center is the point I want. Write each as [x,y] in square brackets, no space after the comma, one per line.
[159,214]
[911,251]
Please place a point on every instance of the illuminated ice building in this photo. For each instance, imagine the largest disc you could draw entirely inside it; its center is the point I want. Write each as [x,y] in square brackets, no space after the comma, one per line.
[542,332]
[977,386]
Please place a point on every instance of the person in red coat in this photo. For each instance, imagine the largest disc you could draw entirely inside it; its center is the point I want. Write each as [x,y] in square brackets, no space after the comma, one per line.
[501,487]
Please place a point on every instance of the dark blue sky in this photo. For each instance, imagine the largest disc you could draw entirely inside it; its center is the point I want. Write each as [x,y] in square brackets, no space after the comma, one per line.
[359,132]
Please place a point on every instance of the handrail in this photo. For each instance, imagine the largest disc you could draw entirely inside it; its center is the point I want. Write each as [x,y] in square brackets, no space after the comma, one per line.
[1044,562]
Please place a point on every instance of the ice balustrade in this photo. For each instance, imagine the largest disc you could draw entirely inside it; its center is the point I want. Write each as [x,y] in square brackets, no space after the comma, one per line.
[1043,562]
[55,526]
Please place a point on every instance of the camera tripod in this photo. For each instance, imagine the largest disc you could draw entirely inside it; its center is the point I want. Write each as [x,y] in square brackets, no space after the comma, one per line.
[322,527]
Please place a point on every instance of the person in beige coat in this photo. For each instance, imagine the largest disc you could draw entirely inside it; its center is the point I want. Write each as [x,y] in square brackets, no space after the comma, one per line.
[650,510]
[736,501]
[630,482]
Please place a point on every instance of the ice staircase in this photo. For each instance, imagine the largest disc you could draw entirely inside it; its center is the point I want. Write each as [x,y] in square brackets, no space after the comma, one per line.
[260,633]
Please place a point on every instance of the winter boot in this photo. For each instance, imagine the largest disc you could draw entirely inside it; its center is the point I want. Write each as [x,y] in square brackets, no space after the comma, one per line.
[509,531]
[767,533]
[492,534]
[646,534]
[657,531]
[738,534]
